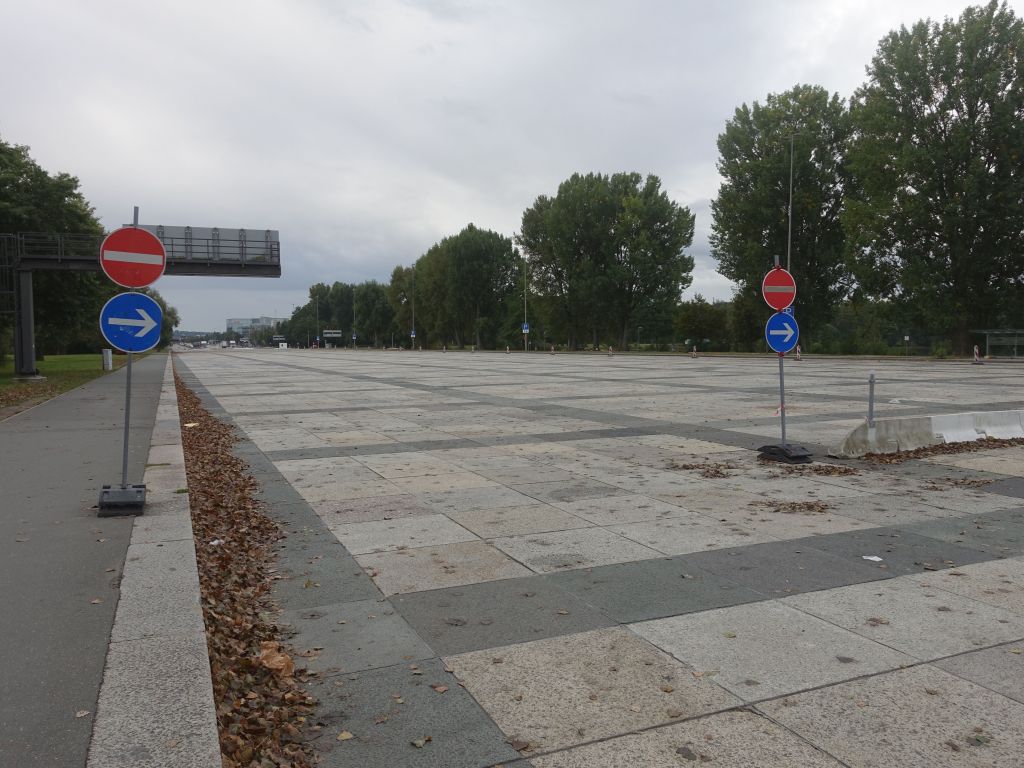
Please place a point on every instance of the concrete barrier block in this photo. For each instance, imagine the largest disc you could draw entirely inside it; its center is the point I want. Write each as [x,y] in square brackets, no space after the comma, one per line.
[1002,425]
[955,427]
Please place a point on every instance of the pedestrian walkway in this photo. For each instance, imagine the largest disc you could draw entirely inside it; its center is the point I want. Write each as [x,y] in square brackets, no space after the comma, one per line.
[60,565]
[574,562]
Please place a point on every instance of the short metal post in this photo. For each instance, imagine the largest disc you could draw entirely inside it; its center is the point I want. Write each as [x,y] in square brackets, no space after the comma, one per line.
[871,399]
[782,397]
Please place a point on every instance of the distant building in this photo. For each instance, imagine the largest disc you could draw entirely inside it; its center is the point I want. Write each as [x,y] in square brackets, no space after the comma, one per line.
[244,325]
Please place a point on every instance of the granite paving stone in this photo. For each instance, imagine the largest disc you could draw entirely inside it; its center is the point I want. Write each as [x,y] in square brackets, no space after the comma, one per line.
[568,491]
[626,508]
[368,508]
[731,739]
[465,499]
[516,521]
[448,565]
[649,589]
[999,538]
[900,552]
[695,533]
[781,568]
[921,717]
[919,620]
[387,710]
[495,613]
[579,548]
[350,637]
[564,691]
[1000,669]
[996,582]
[765,649]
[400,533]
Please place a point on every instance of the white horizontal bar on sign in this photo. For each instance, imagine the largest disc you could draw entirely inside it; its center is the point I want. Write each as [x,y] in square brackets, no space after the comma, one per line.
[133,258]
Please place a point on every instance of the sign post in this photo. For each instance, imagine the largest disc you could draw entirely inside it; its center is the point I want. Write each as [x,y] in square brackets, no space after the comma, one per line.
[782,333]
[131,322]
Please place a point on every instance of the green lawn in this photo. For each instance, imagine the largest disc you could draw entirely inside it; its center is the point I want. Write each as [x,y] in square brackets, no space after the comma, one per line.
[62,372]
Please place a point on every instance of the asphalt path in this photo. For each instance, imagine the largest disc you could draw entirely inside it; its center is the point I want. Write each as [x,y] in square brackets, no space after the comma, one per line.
[59,563]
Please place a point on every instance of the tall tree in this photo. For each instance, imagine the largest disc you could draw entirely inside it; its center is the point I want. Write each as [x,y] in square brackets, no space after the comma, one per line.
[936,222]
[605,250]
[373,312]
[750,224]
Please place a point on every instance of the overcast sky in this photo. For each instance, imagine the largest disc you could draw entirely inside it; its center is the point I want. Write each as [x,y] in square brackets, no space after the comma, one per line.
[365,131]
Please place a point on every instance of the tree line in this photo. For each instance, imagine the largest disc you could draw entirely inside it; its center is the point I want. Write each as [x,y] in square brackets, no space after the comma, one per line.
[907,219]
[66,304]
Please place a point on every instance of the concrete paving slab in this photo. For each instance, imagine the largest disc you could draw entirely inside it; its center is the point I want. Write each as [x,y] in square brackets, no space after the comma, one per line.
[316,570]
[924,622]
[386,710]
[569,690]
[626,508]
[779,521]
[449,565]
[919,717]
[997,582]
[649,589]
[886,509]
[400,533]
[394,465]
[1000,669]
[707,499]
[151,573]
[496,613]
[730,739]
[579,548]
[351,637]
[695,533]
[135,728]
[517,521]
[777,569]
[901,552]
[765,649]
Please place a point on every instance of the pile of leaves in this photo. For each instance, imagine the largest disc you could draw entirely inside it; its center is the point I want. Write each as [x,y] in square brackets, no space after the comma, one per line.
[261,706]
[822,470]
[793,507]
[985,444]
[705,468]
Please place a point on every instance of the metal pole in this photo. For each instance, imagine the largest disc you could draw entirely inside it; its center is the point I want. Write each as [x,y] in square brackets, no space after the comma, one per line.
[414,303]
[782,398]
[871,399]
[128,394]
[525,336]
[789,233]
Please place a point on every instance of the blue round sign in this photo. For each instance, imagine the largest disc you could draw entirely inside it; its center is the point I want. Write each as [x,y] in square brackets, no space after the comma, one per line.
[131,322]
[781,332]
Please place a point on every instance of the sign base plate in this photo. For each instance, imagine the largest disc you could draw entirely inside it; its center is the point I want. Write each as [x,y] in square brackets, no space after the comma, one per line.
[787,454]
[118,501]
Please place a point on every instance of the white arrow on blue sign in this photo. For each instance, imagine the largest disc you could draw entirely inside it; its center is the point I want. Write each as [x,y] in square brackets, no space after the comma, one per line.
[781,332]
[526,327]
[131,322]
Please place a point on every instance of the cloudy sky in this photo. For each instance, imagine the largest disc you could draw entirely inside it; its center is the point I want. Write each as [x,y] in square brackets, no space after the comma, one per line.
[366,130]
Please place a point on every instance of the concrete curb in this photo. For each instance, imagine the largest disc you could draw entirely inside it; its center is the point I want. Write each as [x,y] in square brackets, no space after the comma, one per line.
[908,433]
[156,704]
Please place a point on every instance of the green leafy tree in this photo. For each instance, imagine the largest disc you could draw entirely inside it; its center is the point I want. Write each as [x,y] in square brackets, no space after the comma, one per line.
[751,213]
[936,221]
[605,251]
[400,297]
[373,312]
[704,324]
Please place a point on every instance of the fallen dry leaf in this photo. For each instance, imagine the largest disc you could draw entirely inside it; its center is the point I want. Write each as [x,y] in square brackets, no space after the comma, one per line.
[82,713]
[345,736]
[440,688]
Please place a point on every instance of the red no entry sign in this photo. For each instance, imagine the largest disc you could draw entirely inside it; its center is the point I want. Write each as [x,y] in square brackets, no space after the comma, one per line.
[132,257]
[779,289]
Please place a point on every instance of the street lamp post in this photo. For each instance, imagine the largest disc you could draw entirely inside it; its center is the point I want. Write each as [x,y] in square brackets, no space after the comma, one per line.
[317,299]
[789,231]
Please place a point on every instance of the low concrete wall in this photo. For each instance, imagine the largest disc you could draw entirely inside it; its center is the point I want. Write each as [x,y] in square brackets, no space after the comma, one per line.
[911,432]
[156,705]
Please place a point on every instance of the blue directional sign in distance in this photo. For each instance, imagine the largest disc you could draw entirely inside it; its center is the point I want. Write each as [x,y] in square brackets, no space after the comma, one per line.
[781,332]
[131,322]
[413,334]
[526,327]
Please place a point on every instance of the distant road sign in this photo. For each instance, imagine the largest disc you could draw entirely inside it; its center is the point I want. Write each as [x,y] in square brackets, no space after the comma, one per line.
[781,332]
[353,335]
[413,334]
[132,257]
[778,288]
[526,327]
[331,334]
[131,322]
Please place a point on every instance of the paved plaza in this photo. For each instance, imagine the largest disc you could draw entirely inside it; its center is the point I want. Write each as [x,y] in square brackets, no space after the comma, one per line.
[568,561]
